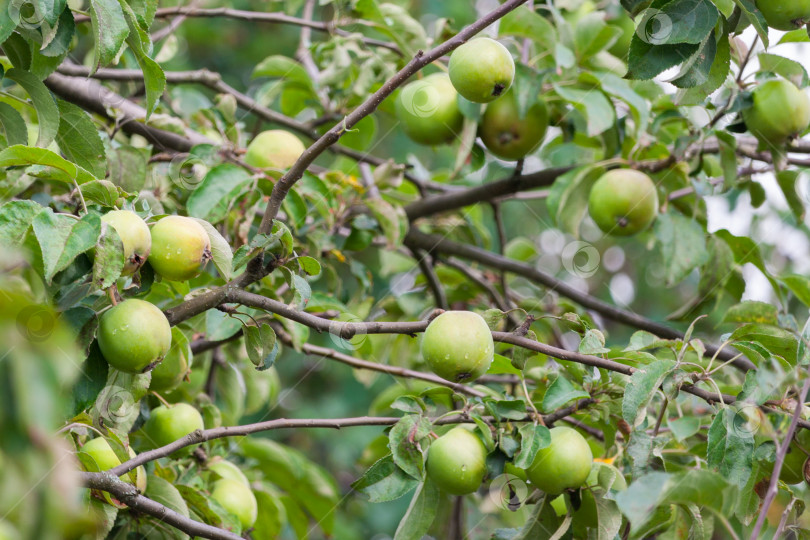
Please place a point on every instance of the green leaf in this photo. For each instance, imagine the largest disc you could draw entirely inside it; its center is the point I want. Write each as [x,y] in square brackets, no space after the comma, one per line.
[695,72]
[15,219]
[684,427]
[730,447]
[26,155]
[704,488]
[406,443]
[752,311]
[420,514]
[682,243]
[278,66]
[108,262]
[642,387]
[568,199]
[526,23]
[47,111]
[101,192]
[220,249]
[756,18]
[79,141]
[787,182]
[680,21]
[141,44]
[593,342]
[62,238]
[261,345]
[384,481]
[211,199]
[561,392]
[799,286]
[309,265]
[392,220]
[533,438]
[776,340]
[594,106]
[163,492]
[13,125]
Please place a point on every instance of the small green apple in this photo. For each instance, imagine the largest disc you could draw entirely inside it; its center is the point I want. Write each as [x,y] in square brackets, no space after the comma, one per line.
[785,14]
[180,248]
[274,149]
[456,462]
[564,464]
[134,336]
[623,202]
[237,498]
[428,110]
[104,456]
[171,371]
[458,346]
[481,70]
[780,111]
[134,234]
[225,469]
[168,424]
[509,136]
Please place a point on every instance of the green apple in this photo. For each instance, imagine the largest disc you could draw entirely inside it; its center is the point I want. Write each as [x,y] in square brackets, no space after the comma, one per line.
[458,346]
[168,424]
[508,135]
[104,456]
[180,248]
[623,202]
[785,14]
[7,532]
[428,110]
[225,469]
[780,111]
[171,372]
[237,498]
[456,462]
[564,464]
[274,149]
[134,234]
[134,336]
[406,387]
[261,388]
[481,70]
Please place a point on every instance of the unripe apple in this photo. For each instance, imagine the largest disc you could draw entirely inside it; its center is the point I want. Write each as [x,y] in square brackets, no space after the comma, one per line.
[225,469]
[457,462]
[458,346]
[509,136]
[482,70]
[171,371]
[564,464]
[780,111]
[7,532]
[274,149]
[785,14]
[168,424]
[135,237]
[623,202]
[428,110]
[104,456]
[237,498]
[134,336]
[180,248]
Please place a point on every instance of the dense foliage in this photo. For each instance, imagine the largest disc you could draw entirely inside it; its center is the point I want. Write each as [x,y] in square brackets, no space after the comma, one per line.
[545,264]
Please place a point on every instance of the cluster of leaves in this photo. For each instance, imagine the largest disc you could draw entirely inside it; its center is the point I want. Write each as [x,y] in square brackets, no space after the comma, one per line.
[339,248]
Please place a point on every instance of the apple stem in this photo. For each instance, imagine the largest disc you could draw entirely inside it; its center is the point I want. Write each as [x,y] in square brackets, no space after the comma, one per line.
[160,398]
[112,292]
